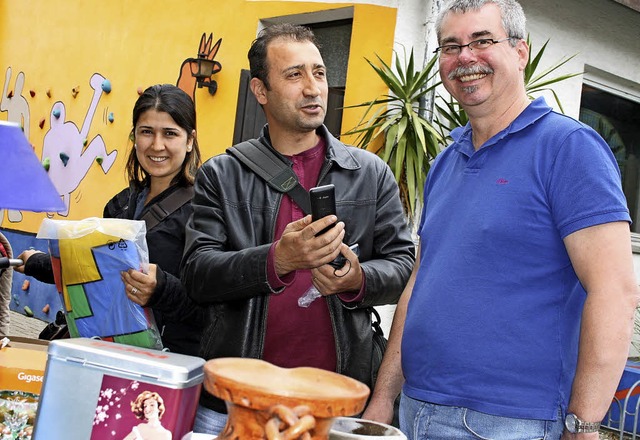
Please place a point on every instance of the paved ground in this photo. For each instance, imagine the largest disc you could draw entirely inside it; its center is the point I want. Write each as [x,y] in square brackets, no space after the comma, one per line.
[24,326]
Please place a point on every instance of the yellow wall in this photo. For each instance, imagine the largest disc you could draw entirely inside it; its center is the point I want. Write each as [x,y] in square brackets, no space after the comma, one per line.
[59,46]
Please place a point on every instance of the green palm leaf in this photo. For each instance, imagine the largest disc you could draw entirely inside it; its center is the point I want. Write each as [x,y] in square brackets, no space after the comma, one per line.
[410,140]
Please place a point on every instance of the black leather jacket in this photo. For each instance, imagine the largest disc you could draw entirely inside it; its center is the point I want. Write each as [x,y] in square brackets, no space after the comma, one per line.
[231,230]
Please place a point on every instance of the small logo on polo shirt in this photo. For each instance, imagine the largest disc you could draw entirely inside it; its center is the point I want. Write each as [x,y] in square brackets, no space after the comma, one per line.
[502,181]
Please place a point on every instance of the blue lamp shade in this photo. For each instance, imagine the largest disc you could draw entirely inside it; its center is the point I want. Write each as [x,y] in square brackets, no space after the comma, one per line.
[24,183]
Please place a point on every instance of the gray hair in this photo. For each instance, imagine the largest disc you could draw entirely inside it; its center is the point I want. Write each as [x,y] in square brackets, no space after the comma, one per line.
[513,18]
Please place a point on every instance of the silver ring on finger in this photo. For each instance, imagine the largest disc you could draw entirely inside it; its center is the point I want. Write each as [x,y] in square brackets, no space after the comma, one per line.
[134,291]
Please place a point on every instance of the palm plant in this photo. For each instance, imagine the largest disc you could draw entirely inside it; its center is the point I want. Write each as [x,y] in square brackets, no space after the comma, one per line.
[394,126]
[539,82]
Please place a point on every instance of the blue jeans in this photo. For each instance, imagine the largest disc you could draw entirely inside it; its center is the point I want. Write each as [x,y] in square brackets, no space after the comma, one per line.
[209,421]
[426,421]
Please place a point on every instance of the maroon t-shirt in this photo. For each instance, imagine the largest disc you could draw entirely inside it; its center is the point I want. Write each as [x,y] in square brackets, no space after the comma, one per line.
[297,336]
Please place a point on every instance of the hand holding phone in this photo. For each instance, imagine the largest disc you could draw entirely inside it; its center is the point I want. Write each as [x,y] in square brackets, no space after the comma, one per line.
[323,203]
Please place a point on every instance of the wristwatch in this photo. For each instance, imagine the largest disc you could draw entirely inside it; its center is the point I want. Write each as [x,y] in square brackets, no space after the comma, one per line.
[575,426]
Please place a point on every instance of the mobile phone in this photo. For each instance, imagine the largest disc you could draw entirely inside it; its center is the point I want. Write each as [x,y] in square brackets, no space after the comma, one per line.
[323,203]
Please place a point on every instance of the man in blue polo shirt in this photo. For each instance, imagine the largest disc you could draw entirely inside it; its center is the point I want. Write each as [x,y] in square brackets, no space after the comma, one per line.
[517,319]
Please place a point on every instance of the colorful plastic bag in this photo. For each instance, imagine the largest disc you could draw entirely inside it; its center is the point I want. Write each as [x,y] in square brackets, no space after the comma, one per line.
[87,258]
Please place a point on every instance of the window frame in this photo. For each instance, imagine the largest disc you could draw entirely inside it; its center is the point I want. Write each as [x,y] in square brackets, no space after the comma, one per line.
[621,88]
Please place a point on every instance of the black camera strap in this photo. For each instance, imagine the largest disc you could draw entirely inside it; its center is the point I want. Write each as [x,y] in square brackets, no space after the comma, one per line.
[260,159]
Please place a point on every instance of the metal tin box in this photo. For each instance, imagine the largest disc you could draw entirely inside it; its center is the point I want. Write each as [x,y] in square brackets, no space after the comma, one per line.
[97,389]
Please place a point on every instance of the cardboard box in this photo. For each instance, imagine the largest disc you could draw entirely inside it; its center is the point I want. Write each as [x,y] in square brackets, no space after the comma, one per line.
[94,390]
[625,408]
[22,364]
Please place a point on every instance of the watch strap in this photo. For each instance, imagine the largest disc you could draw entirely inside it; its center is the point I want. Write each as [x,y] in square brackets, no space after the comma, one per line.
[584,427]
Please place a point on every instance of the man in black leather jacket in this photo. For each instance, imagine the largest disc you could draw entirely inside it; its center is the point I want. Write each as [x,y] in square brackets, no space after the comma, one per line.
[250,252]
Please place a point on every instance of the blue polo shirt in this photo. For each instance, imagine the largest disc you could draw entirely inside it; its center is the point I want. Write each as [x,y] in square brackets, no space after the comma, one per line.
[494,318]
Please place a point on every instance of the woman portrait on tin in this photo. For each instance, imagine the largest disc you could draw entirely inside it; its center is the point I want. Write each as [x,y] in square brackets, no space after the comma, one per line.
[148,407]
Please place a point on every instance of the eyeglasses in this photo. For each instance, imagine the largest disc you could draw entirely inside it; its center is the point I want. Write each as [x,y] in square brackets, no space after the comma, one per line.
[453,50]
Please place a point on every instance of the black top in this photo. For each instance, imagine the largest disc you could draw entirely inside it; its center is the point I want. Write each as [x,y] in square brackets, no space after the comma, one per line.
[178,318]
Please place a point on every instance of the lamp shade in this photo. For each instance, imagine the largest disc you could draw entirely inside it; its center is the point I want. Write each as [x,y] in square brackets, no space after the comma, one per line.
[205,67]
[24,183]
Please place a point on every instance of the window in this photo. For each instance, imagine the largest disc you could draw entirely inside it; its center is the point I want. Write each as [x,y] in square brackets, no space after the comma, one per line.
[613,110]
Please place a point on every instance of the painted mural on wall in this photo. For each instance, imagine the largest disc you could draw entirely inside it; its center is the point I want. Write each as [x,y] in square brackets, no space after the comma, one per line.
[17,108]
[67,154]
[71,146]
[14,103]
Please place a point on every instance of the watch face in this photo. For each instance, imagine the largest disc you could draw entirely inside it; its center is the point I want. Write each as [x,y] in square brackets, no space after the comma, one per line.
[575,426]
[570,423]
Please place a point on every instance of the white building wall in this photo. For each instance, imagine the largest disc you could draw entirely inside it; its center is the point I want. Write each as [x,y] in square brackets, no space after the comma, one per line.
[604,34]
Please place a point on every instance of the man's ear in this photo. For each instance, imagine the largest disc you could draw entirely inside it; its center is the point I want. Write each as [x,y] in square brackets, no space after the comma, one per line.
[259,90]
[523,53]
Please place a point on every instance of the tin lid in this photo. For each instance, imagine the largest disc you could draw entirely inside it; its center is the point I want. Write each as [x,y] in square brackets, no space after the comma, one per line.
[171,369]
